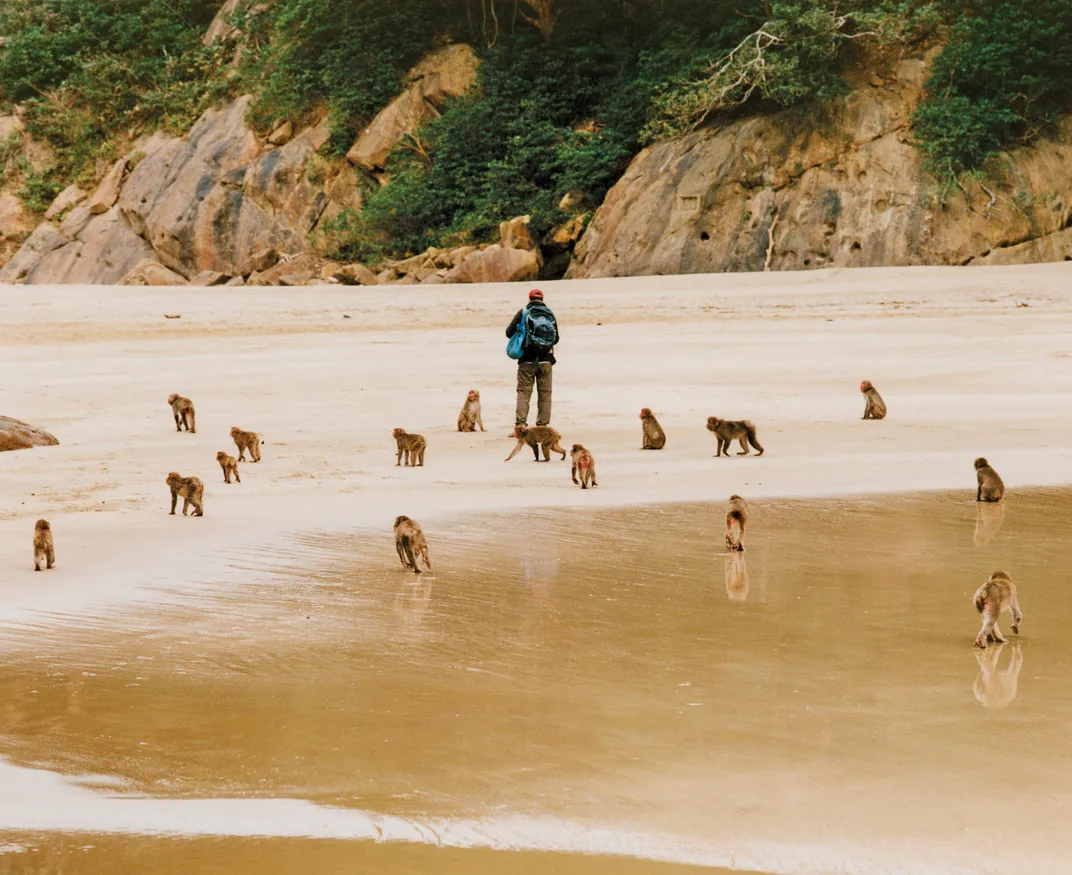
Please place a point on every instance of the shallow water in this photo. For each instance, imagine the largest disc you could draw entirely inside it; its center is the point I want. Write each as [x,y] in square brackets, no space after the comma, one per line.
[592,684]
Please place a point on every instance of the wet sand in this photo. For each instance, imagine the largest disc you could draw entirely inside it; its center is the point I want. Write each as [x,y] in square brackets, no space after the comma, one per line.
[586,682]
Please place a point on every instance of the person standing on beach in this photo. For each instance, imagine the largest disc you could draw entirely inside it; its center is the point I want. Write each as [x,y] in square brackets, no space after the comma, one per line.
[536,359]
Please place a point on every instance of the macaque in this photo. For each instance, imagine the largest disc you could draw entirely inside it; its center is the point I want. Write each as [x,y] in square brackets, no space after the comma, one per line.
[192,491]
[991,487]
[410,543]
[469,418]
[874,406]
[412,446]
[993,688]
[583,462]
[183,408]
[654,436]
[536,437]
[43,551]
[727,430]
[735,520]
[247,440]
[996,595]
[736,577]
[229,465]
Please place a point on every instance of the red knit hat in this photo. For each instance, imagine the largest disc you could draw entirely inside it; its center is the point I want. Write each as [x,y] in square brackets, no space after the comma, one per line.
[535,295]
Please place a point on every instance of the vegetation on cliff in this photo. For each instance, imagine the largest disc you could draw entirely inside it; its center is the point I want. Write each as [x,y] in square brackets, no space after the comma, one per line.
[569,90]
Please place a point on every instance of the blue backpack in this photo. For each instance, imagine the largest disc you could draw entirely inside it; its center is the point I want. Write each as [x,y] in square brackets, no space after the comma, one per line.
[515,346]
[539,330]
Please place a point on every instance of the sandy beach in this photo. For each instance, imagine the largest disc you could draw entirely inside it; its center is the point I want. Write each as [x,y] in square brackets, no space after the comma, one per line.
[268,671]
[971,362]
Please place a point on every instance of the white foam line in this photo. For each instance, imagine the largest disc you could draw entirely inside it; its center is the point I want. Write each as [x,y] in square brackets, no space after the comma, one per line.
[36,800]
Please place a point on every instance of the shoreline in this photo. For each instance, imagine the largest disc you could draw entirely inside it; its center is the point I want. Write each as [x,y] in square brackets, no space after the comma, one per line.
[965,370]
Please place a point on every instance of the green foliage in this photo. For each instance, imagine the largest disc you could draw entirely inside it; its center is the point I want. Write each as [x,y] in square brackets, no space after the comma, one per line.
[38,189]
[1004,73]
[89,70]
[350,56]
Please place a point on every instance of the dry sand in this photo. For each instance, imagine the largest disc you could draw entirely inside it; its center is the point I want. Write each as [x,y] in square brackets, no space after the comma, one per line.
[970,361]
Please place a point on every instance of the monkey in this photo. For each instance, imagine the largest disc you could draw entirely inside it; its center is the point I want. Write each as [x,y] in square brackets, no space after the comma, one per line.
[874,407]
[247,440]
[735,520]
[654,436]
[229,465]
[996,595]
[583,462]
[411,544]
[470,418]
[412,445]
[43,551]
[992,688]
[736,578]
[988,519]
[536,437]
[192,491]
[729,430]
[991,487]
[183,408]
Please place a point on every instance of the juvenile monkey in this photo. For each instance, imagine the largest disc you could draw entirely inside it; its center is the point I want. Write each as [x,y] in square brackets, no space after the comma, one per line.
[183,408]
[727,430]
[996,595]
[874,406]
[43,551]
[991,487]
[229,465]
[247,440]
[192,491]
[412,445]
[736,517]
[654,436]
[410,543]
[536,437]
[469,418]
[583,462]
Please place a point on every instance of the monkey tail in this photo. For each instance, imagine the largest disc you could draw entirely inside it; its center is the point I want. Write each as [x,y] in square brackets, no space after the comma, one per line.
[980,600]
[751,429]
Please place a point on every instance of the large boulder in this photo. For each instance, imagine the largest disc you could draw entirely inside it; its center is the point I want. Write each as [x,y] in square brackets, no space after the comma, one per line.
[45,238]
[790,191]
[71,196]
[151,272]
[107,193]
[495,265]
[16,435]
[445,74]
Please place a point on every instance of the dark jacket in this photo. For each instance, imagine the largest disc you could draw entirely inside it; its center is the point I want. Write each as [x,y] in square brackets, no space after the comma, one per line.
[515,323]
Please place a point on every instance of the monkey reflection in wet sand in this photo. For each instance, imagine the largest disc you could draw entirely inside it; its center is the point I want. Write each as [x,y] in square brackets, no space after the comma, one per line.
[654,436]
[410,543]
[991,487]
[539,436]
[183,408]
[229,465]
[736,578]
[874,407]
[727,430]
[583,462]
[993,688]
[192,491]
[43,552]
[412,446]
[996,595]
[469,418]
[736,517]
[988,519]
[247,440]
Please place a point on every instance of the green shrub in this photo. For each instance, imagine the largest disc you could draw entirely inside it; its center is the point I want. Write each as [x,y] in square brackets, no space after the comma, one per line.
[1001,78]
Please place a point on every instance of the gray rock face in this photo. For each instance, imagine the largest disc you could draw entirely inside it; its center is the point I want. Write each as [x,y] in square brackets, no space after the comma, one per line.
[794,191]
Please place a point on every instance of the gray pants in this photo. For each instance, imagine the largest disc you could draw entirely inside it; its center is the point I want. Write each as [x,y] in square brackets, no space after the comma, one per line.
[527,374]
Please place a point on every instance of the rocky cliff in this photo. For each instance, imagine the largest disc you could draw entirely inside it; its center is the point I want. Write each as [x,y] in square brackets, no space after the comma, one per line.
[795,191]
